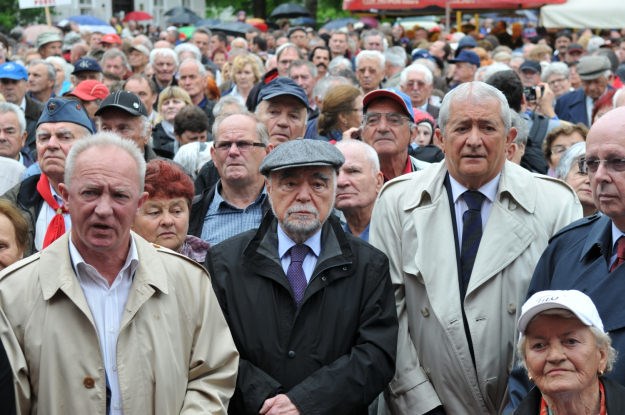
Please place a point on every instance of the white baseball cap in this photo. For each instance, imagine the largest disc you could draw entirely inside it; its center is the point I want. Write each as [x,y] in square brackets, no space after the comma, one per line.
[574,301]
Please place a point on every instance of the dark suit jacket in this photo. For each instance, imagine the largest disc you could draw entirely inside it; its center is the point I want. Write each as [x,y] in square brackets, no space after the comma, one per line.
[433,110]
[32,114]
[572,107]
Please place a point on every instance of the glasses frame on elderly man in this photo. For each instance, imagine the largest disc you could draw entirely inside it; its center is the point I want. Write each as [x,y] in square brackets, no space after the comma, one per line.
[242,145]
[395,119]
[591,165]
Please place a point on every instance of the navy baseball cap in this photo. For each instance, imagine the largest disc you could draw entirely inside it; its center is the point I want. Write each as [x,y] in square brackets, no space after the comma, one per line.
[402,99]
[65,110]
[86,65]
[467,56]
[532,66]
[282,86]
[12,70]
[124,100]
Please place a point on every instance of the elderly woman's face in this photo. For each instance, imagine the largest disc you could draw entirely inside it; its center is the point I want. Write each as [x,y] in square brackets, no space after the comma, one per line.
[561,355]
[163,221]
[9,251]
[581,184]
[560,145]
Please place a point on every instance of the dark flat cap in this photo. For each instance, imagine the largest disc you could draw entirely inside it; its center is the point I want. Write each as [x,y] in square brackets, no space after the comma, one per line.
[65,110]
[302,153]
[592,67]
[125,101]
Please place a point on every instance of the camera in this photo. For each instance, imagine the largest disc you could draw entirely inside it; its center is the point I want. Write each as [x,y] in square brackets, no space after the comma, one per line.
[531,94]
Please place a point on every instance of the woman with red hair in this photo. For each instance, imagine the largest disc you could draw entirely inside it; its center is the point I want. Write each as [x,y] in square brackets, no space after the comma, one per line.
[164,217]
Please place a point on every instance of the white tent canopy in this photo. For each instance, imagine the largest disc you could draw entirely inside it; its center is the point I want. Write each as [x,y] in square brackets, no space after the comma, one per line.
[579,14]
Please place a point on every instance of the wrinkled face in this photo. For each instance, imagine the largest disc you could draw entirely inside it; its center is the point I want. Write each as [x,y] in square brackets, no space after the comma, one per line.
[370,74]
[53,141]
[141,88]
[284,117]
[38,80]
[114,66]
[463,72]
[301,199]
[202,41]
[357,183]
[11,139]
[13,90]
[244,78]
[475,141]
[559,84]
[103,198]
[164,69]
[163,221]
[137,59]
[373,43]
[417,88]
[128,126]
[284,60]
[171,107]
[596,87]
[238,164]
[302,77]
[338,44]
[580,182]
[190,79]
[9,251]
[562,355]
[51,49]
[387,138]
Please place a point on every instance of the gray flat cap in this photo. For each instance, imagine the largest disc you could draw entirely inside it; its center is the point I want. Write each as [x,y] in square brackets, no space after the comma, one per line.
[592,67]
[302,153]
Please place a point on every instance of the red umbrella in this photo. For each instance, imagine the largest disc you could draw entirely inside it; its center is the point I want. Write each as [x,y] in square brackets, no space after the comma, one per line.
[137,16]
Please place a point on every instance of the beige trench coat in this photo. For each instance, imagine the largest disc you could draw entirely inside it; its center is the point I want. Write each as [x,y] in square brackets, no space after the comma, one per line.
[175,353]
[412,224]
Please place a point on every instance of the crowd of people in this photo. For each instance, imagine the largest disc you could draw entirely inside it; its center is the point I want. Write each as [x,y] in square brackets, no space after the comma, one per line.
[375,221]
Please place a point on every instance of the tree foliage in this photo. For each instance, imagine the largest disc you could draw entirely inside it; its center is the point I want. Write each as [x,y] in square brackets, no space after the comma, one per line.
[11,15]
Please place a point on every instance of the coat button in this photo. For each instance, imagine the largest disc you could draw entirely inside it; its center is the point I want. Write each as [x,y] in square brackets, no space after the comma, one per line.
[345,268]
[291,354]
[323,278]
[88,382]
[425,312]
[512,308]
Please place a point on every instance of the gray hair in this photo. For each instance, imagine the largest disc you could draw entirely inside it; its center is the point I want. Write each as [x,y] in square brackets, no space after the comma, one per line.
[371,54]
[261,129]
[67,68]
[227,101]
[370,154]
[104,140]
[286,46]
[559,68]
[165,52]
[522,128]
[115,53]
[301,62]
[570,156]
[6,107]
[395,56]
[418,68]
[339,63]
[603,340]
[192,156]
[478,92]
[324,84]
[198,64]
[50,69]
[188,47]
[617,99]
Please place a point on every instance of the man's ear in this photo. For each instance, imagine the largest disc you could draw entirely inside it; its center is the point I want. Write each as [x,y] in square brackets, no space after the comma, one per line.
[64,194]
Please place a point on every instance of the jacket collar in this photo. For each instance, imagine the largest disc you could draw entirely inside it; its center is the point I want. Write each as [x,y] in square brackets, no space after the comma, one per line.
[599,240]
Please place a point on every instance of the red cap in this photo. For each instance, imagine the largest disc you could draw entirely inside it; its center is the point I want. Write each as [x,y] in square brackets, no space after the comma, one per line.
[111,38]
[90,90]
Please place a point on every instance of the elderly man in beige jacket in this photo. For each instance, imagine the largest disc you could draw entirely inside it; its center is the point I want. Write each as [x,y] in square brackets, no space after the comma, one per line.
[102,322]
[460,270]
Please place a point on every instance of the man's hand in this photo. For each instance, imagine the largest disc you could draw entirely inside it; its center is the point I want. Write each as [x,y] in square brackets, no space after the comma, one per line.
[279,404]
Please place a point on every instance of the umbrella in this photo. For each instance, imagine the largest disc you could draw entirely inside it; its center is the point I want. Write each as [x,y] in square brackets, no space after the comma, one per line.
[31,32]
[233,28]
[137,16]
[207,22]
[187,31]
[337,24]
[183,19]
[304,21]
[289,10]
[258,23]
[369,21]
[88,20]
[179,10]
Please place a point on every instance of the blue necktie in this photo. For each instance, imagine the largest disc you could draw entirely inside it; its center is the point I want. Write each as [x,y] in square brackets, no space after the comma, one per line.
[471,235]
[295,272]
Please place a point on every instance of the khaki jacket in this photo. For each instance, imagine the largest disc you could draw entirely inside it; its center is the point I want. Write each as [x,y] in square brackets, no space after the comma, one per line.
[412,224]
[175,353]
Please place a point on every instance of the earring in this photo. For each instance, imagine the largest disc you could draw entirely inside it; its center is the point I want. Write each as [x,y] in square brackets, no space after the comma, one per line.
[529,377]
[601,372]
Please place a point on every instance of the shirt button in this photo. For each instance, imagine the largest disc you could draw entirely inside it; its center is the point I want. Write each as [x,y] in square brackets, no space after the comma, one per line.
[291,354]
[511,308]
[88,382]
[425,312]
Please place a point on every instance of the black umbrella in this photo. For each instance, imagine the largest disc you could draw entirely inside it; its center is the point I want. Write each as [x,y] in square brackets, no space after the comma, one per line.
[289,10]
[183,19]
[207,23]
[232,28]
[178,10]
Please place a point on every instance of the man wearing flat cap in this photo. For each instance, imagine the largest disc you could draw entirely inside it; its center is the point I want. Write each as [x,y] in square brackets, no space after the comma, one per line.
[49,44]
[62,123]
[576,106]
[310,307]
[123,113]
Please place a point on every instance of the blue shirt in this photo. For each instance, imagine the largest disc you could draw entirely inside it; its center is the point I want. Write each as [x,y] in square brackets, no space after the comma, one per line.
[223,220]
[285,243]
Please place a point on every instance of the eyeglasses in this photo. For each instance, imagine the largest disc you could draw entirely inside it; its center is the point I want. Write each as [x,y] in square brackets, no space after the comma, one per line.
[591,165]
[242,145]
[392,118]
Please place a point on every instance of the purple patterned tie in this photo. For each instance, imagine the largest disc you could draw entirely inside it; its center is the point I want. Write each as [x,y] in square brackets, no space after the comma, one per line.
[295,272]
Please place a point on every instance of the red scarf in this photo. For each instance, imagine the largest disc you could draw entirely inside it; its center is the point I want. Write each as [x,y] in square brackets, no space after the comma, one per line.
[544,409]
[56,228]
